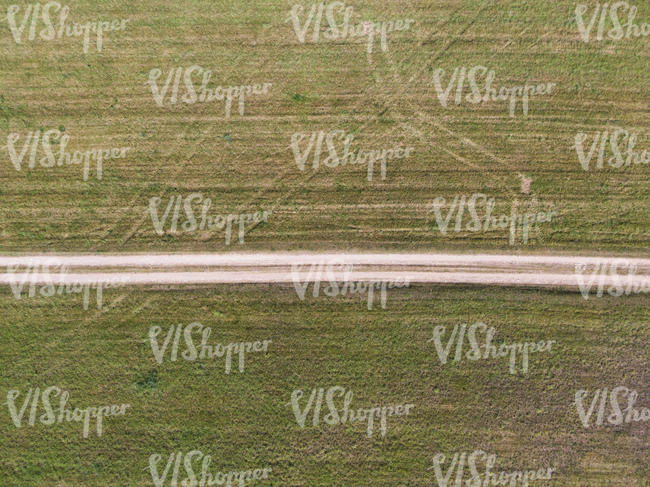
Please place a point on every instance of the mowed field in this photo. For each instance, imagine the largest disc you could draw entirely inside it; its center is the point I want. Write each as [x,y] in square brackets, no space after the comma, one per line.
[385,356]
[385,98]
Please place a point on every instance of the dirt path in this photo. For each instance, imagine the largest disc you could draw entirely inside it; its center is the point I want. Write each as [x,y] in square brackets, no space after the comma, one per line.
[574,272]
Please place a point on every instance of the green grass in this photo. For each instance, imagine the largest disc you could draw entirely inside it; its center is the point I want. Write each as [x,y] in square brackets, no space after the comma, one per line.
[386,99]
[383,356]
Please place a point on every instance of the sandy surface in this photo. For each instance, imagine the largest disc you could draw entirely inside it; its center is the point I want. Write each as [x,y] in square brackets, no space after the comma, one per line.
[577,272]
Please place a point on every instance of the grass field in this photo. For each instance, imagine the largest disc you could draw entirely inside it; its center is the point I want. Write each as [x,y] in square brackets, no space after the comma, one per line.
[387,99]
[245,162]
[244,420]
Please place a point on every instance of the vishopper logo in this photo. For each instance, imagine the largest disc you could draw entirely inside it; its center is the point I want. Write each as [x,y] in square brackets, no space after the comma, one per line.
[616,139]
[485,350]
[484,478]
[62,414]
[340,32]
[345,414]
[204,95]
[472,75]
[617,11]
[43,283]
[204,351]
[342,154]
[206,478]
[205,222]
[50,159]
[600,274]
[340,287]
[479,203]
[617,415]
[56,30]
